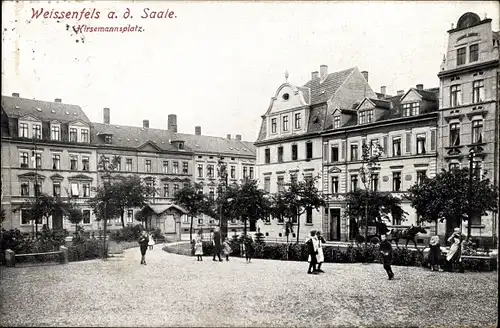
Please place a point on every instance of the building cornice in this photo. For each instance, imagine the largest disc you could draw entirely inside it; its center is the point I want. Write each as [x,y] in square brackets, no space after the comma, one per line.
[468,68]
[306,135]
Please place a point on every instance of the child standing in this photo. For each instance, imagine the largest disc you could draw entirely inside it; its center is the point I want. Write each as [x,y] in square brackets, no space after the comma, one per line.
[386,250]
[227,248]
[151,242]
[434,253]
[198,250]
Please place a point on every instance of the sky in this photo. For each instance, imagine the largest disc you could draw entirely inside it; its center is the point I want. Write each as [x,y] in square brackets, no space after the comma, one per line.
[217,64]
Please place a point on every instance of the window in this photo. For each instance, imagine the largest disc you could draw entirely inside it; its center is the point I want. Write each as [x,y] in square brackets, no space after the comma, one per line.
[148,165]
[309,215]
[281,183]
[85,164]
[245,172]
[38,160]
[107,139]
[354,182]
[165,167]
[454,134]
[25,188]
[309,150]
[294,152]
[37,131]
[455,95]
[130,216]
[421,175]
[185,219]
[267,156]
[175,167]
[25,216]
[200,170]
[411,109]
[128,164]
[335,154]
[478,91]
[200,221]
[73,163]
[477,131]
[293,178]
[23,159]
[369,116]
[420,144]
[233,172]
[453,166]
[461,56]
[165,191]
[181,145]
[75,192]
[396,146]
[176,188]
[354,152]
[297,121]
[374,181]
[267,184]
[474,53]
[86,216]
[38,189]
[476,168]
[374,147]
[250,172]
[210,170]
[396,181]
[361,117]
[273,125]
[73,135]
[54,132]
[211,193]
[185,167]
[336,122]
[86,190]
[280,154]
[84,135]
[406,109]
[23,130]
[335,185]
[285,123]
[56,189]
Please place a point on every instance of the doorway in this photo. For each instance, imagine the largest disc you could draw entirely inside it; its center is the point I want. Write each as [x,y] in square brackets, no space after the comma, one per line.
[57,220]
[334,224]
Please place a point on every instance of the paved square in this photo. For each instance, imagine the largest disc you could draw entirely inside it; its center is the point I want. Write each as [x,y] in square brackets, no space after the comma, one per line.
[176,290]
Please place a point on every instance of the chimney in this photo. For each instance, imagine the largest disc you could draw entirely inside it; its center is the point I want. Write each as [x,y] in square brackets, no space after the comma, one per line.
[229,136]
[15,94]
[238,137]
[401,92]
[314,75]
[365,74]
[145,123]
[172,122]
[382,90]
[59,100]
[106,115]
[323,71]
[420,87]
[197,130]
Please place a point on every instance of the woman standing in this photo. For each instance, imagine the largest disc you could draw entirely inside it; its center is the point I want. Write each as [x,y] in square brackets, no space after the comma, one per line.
[312,250]
[227,248]
[434,253]
[143,243]
[248,243]
[320,258]
[455,253]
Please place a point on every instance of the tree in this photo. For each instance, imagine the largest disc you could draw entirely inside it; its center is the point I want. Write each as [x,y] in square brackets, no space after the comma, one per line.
[75,216]
[445,197]
[144,216]
[193,200]
[281,210]
[44,206]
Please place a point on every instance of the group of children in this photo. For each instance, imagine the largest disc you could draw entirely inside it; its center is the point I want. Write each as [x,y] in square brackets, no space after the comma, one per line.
[246,249]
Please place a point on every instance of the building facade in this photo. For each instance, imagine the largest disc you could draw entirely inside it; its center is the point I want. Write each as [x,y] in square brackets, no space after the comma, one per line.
[468,107]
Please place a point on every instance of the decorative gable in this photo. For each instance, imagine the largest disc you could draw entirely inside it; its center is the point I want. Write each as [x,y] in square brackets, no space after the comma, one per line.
[80,177]
[31,176]
[57,177]
[365,104]
[79,123]
[149,146]
[29,118]
[411,96]
[287,97]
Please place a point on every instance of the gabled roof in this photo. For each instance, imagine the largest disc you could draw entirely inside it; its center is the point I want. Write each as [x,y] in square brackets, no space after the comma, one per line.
[425,94]
[16,107]
[159,209]
[321,92]
[381,103]
[218,145]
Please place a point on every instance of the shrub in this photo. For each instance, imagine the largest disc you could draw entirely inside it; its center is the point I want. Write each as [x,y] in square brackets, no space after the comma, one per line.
[129,233]
[402,256]
[235,243]
[259,238]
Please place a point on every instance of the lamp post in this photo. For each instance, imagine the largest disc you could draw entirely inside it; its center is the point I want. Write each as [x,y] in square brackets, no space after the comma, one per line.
[105,179]
[35,164]
[222,170]
[469,194]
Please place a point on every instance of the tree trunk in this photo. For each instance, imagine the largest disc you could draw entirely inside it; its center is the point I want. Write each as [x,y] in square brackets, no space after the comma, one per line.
[104,254]
[123,217]
[298,226]
[191,229]
[245,227]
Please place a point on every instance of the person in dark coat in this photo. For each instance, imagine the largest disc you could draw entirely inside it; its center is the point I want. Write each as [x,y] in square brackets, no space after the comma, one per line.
[434,253]
[143,244]
[217,243]
[312,251]
[386,250]
[248,242]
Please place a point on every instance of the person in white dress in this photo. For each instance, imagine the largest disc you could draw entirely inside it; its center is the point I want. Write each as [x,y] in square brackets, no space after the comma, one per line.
[320,258]
[151,242]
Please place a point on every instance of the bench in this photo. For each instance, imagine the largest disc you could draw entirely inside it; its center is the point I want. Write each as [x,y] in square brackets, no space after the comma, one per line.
[10,256]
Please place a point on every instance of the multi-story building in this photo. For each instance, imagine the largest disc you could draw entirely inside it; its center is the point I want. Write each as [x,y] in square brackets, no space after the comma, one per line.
[290,145]
[54,148]
[46,148]
[468,107]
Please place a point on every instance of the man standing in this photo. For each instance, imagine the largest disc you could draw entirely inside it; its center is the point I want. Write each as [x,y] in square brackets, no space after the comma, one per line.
[386,250]
[217,243]
[312,250]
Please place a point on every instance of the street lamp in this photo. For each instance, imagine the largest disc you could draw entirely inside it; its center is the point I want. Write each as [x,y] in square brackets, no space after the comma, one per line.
[469,198]
[222,170]
[36,187]
[105,179]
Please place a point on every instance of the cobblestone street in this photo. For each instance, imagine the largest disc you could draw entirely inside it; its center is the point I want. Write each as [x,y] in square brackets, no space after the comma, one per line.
[175,290]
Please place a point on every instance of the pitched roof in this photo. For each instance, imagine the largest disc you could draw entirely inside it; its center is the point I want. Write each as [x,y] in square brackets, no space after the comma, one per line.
[16,107]
[321,92]
[381,103]
[218,145]
[428,95]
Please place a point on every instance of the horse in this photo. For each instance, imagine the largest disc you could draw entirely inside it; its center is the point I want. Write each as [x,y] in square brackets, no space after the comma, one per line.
[408,234]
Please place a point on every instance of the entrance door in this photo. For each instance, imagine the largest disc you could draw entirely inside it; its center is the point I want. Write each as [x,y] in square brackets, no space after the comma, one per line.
[57,220]
[334,224]
[169,224]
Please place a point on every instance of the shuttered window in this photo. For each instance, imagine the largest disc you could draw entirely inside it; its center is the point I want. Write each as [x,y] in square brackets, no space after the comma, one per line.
[408,142]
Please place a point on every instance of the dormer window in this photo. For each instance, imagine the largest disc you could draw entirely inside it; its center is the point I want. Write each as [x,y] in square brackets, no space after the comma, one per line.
[361,117]
[23,130]
[181,145]
[55,132]
[84,135]
[107,139]
[411,109]
[369,116]
[37,131]
[73,135]
[286,96]
[336,122]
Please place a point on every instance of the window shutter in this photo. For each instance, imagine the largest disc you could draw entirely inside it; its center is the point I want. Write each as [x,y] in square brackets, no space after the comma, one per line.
[433,140]
[384,145]
[343,149]
[408,142]
[325,152]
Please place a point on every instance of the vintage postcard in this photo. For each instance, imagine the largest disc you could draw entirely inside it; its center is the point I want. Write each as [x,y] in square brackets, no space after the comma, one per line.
[250,163]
